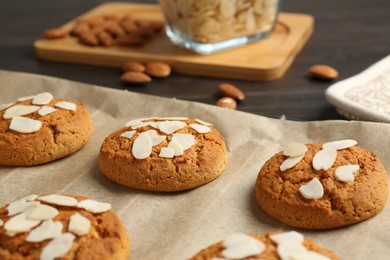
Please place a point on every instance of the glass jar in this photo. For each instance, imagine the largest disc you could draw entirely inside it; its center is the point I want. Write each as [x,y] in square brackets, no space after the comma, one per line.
[208,26]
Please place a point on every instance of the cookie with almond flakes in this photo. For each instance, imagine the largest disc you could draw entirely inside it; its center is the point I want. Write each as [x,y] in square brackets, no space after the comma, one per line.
[163,154]
[270,246]
[61,227]
[322,185]
[39,129]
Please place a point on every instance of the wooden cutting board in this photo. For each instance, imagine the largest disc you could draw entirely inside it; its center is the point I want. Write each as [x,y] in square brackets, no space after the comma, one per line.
[264,60]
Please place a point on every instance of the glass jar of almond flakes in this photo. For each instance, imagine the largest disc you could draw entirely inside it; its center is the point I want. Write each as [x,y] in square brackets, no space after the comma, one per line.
[208,26]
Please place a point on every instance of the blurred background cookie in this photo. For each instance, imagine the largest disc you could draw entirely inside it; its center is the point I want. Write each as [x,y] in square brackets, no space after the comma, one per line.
[163,154]
[40,128]
[61,227]
[270,246]
[322,185]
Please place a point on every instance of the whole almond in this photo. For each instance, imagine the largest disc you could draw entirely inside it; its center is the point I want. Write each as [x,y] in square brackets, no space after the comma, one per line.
[227,102]
[133,66]
[158,69]
[55,33]
[134,77]
[88,38]
[114,29]
[226,89]
[323,72]
[104,38]
[80,28]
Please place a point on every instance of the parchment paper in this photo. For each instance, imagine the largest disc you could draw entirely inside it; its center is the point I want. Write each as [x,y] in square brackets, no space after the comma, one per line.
[176,225]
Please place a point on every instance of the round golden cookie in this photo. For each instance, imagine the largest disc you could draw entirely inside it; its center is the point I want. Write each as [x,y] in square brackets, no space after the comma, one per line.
[269,249]
[62,133]
[279,193]
[200,161]
[87,230]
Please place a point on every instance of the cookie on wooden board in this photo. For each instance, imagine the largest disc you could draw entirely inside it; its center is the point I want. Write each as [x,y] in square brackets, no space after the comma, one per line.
[40,128]
[270,246]
[61,227]
[163,154]
[322,185]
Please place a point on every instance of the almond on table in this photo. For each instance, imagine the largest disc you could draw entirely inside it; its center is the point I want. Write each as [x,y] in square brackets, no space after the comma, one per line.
[134,77]
[55,33]
[227,102]
[323,72]
[230,90]
[158,69]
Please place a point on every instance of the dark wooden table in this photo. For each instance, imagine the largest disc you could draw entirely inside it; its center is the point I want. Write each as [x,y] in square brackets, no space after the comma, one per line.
[349,35]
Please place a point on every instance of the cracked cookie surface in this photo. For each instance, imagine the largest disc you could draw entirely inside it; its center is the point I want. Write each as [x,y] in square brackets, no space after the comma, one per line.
[343,203]
[203,162]
[62,133]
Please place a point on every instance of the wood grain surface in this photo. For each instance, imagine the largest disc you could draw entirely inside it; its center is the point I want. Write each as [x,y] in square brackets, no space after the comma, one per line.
[349,35]
[264,60]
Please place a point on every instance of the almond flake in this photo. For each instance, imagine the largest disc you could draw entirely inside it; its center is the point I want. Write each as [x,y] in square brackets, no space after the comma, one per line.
[42,98]
[25,125]
[31,197]
[58,247]
[43,212]
[4,106]
[142,146]
[173,118]
[128,134]
[167,152]
[170,127]
[1,222]
[295,149]
[290,162]
[177,147]
[94,206]
[60,200]
[185,140]
[287,237]
[345,173]
[133,122]
[287,249]
[203,122]
[19,110]
[152,124]
[308,255]
[45,110]
[238,246]
[339,145]
[235,239]
[20,223]
[148,118]
[156,138]
[202,129]
[47,230]
[21,205]
[79,225]
[66,105]
[26,98]
[324,159]
[312,190]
